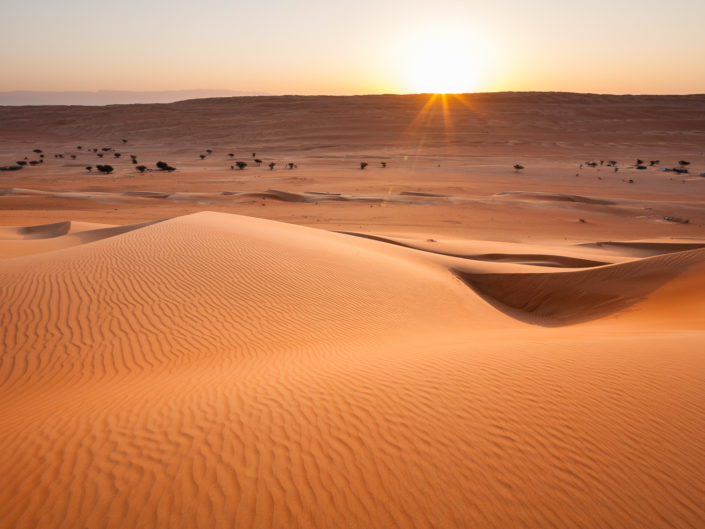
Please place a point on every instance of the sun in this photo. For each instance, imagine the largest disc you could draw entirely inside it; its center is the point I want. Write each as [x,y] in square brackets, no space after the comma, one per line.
[442,62]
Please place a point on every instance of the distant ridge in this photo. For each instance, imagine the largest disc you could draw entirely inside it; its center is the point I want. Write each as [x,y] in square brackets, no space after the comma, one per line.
[298,124]
[111,97]
[126,97]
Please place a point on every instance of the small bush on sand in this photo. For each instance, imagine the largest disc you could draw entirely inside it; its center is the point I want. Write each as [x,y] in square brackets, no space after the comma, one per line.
[165,166]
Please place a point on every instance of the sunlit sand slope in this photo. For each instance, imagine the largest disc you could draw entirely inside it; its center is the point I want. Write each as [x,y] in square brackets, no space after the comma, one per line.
[223,371]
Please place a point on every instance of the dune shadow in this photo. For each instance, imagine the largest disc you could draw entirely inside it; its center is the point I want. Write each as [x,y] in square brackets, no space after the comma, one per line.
[569,297]
[531,259]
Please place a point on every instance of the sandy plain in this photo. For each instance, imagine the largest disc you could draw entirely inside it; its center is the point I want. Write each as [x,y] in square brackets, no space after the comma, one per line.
[441,342]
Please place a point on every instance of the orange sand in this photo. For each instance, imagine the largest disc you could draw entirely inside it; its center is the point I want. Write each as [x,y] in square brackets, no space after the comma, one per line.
[415,346]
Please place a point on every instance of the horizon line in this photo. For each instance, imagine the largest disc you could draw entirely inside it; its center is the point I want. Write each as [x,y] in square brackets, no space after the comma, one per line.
[254,94]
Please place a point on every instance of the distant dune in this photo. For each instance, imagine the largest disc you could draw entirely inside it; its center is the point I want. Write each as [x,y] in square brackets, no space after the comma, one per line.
[510,123]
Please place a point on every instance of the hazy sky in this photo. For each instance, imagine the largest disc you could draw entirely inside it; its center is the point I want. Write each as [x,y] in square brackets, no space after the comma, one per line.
[354,47]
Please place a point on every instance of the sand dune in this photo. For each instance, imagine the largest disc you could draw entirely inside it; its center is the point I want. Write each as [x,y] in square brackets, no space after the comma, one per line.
[204,372]
[647,247]
[28,240]
[506,254]
[324,125]
[44,231]
[572,297]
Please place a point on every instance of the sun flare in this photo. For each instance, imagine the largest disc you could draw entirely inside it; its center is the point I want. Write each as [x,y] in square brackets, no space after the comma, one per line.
[442,63]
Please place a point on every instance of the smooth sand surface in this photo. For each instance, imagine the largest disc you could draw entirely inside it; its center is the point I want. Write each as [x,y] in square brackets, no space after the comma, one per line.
[461,345]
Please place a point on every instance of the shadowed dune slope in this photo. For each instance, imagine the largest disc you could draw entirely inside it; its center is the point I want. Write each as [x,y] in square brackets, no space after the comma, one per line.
[46,231]
[647,248]
[222,371]
[574,297]
[18,242]
[538,259]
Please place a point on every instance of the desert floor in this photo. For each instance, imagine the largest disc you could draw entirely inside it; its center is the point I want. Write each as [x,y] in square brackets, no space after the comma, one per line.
[442,342]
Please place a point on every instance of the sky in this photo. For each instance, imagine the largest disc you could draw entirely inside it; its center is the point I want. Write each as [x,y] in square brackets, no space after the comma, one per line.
[354,47]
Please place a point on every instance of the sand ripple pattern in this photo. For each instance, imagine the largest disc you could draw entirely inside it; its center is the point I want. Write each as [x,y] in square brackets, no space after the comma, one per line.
[219,371]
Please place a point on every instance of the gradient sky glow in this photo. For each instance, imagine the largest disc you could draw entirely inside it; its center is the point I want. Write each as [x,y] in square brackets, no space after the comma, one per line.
[367,46]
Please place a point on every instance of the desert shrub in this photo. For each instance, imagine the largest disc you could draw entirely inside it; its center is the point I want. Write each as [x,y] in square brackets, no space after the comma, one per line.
[165,166]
